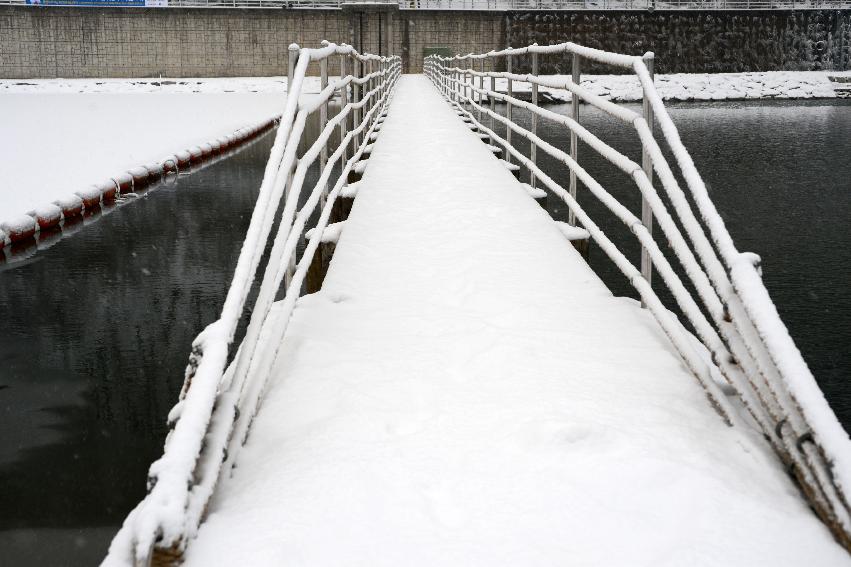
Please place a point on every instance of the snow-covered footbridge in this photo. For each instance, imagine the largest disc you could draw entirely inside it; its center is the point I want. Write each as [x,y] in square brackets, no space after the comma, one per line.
[457,386]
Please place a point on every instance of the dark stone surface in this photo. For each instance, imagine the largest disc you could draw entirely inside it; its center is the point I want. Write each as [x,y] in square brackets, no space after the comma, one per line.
[689,42]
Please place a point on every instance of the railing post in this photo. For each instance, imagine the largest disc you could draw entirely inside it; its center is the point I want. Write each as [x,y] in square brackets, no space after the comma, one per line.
[294,51]
[356,95]
[467,80]
[457,74]
[481,86]
[647,164]
[323,121]
[574,141]
[492,90]
[344,96]
[533,154]
[371,103]
[508,109]
[291,65]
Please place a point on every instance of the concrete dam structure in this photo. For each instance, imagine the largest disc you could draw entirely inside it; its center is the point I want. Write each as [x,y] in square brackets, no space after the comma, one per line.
[52,42]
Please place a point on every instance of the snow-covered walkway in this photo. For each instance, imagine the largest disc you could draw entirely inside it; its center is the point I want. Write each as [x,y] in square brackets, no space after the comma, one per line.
[465,391]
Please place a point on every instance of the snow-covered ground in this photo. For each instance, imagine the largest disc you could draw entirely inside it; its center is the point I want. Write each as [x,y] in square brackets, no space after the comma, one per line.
[704,86]
[465,391]
[267,85]
[61,136]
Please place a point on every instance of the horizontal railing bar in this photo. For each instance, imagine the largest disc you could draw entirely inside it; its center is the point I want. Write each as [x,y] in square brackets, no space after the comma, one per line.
[284,247]
[607,57]
[612,155]
[624,114]
[759,371]
[205,419]
[668,323]
[683,299]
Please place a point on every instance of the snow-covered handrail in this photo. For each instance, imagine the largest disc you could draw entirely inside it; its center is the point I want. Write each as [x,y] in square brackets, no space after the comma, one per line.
[218,400]
[740,346]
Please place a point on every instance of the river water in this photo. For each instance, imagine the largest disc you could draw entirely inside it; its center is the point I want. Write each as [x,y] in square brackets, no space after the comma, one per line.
[96,329]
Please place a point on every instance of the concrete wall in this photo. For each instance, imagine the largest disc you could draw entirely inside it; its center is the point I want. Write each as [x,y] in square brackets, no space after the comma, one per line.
[129,42]
[460,32]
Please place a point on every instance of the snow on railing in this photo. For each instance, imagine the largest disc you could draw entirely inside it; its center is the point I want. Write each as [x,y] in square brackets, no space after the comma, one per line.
[218,401]
[474,5]
[744,348]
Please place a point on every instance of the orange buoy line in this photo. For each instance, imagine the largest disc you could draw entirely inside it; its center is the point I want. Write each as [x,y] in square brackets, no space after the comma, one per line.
[68,209]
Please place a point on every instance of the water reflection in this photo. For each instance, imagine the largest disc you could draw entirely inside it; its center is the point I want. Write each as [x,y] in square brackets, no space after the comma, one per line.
[96,332]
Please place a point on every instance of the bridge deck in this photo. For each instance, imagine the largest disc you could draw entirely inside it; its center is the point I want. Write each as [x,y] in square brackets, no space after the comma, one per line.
[465,391]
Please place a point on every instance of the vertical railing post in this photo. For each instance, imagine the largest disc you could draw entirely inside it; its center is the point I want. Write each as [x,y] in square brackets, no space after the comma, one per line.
[357,89]
[323,121]
[481,86]
[508,109]
[383,79]
[647,165]
[344,101]
[533,154]
[372,84]
[291,64]
[468,78]
[294,51]
[457,81]
[574,141]
[367,88]
[492,90]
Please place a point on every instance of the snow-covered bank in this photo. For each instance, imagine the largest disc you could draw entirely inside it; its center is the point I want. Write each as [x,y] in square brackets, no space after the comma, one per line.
[59,138]
[263,85]
[705,86]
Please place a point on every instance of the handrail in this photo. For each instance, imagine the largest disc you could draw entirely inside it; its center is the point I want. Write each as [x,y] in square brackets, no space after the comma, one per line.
[218,401]
[468,5]
[740,346]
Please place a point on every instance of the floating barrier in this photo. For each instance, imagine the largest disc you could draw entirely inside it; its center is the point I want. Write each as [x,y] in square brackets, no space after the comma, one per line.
[155,172]
[124,182]
[19,228]
[47,216]
[183,159]
[90,196]
[95,199]
[72,206]
[196,155]
[107,190]
[170,165]
[140,177]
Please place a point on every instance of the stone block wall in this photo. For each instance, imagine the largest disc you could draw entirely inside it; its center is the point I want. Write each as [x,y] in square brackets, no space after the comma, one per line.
[130,42]
[693,41]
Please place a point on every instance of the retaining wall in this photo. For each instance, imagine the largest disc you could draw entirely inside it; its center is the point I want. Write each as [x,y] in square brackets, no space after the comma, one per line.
[50,42]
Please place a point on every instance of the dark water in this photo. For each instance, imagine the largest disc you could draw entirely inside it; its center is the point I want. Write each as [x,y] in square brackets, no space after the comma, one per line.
[96,332]
[780,175]
[96,329]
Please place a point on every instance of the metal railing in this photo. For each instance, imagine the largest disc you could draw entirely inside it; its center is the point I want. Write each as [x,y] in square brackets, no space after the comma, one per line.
[218,401]
[741,346]
[475,5]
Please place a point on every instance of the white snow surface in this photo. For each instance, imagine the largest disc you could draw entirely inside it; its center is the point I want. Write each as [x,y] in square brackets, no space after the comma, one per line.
[700,86]
[465,391]
[60,136]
